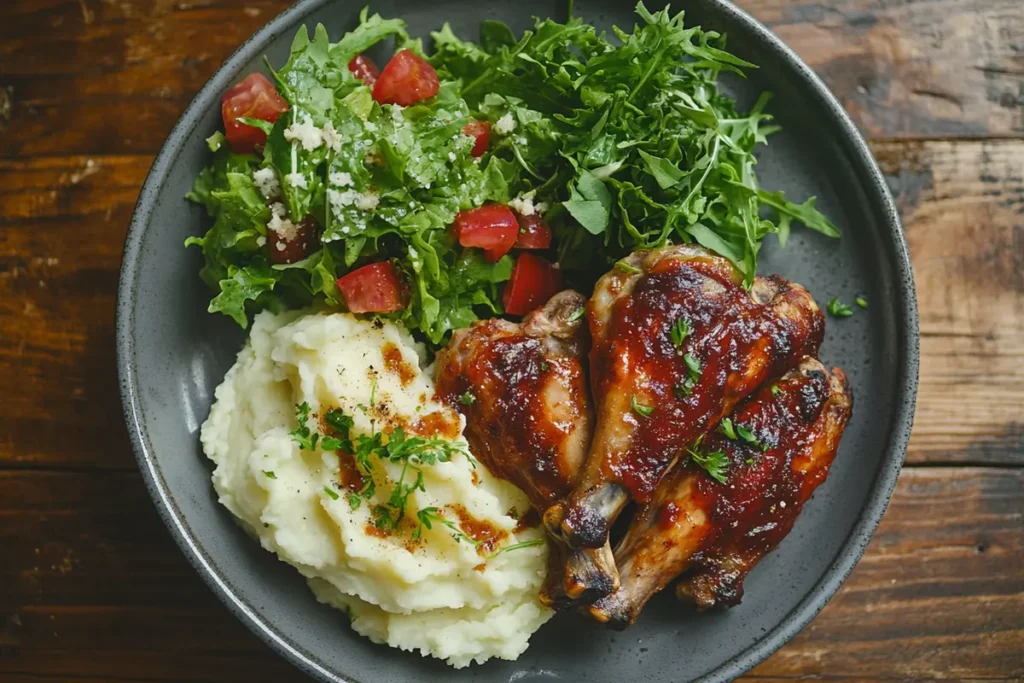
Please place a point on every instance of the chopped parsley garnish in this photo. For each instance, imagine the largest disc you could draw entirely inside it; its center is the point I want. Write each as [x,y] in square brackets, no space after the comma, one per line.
[516,546]
[861,301]
[427,516]
[776,390]
[467,399]
[838,309]
[683,389]
[412,452]
[747,435]
[340,424]
[577,314]
[692,364]
[680,331]
[626,268]
[269,474]
[303,435]
[693,369]
[726,428]
[715,463]
[641,409]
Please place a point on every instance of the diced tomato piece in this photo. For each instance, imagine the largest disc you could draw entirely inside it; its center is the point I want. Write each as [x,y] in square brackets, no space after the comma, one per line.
[406,80]
[492,227]
[533,282]
[365,69]
[254,98]
[375,288]
[534,233]
[289,249]
[481,132]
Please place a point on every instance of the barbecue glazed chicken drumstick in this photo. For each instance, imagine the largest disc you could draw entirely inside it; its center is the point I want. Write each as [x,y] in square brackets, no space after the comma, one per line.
[523,390]
[677,343]
[775,450]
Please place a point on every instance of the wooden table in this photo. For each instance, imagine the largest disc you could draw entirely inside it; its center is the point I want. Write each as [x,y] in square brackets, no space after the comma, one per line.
[93,589]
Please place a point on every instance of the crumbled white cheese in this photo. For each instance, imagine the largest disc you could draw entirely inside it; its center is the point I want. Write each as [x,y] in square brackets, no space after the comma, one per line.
[370,126]
[266,182]
[505,125]
[340,178]
[305,133]
[367,201]
[285,229]
[331,137]
[297,180]
[451,156]
[280,245]
[523,204]
[260,241]
[521,141]
[339,200]
[541,207]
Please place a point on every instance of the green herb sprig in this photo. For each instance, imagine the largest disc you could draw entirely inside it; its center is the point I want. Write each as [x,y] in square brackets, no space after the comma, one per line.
[715,463]
[838,309]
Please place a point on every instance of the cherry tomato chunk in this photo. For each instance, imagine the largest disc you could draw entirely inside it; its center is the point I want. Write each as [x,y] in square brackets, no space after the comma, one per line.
[406,80]
[491,227]
[480,131]
[364,69]
[533,282]
[294,244]
[375,288]
[254,98]
[534,233]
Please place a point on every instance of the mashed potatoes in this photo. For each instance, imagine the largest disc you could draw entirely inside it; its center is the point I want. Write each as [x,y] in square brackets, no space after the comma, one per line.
[445,590]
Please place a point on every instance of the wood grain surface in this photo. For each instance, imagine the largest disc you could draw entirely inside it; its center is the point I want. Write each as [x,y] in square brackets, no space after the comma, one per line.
[93,589]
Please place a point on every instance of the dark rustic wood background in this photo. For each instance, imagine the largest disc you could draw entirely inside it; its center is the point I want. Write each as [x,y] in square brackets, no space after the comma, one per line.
[93,589]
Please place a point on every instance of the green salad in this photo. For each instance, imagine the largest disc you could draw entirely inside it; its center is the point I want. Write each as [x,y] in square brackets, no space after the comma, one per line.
[473,182]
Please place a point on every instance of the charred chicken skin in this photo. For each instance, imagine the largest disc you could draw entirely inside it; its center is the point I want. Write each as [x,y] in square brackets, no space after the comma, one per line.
[677,342]
[717,532]
[523,390]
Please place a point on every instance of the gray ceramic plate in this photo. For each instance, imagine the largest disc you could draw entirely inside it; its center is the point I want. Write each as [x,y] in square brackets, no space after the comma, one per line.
[172,354]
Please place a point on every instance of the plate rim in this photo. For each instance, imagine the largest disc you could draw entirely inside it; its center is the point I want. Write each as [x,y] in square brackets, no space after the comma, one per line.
[850,552]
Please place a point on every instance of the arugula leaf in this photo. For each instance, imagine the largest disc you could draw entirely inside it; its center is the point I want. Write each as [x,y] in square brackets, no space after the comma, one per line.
[370,31]
[590,204]
[664,171]
[241,286]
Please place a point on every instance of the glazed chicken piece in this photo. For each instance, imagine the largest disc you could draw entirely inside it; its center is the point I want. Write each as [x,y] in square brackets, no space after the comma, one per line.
[677,343]
[778,449]
[523,390]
